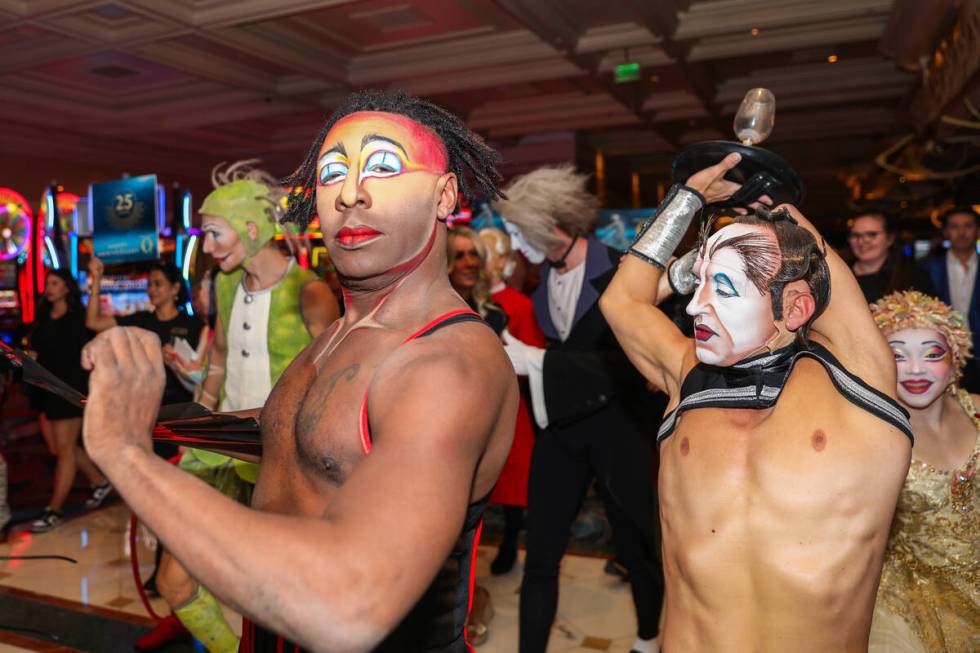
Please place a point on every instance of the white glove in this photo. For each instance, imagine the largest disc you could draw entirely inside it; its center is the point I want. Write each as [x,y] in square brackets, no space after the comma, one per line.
[520,354]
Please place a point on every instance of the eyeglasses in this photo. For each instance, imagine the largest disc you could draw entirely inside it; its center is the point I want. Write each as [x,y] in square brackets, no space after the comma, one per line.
[864,236]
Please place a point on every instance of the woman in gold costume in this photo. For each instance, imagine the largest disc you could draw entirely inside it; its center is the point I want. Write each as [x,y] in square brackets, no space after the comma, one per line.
[929,596]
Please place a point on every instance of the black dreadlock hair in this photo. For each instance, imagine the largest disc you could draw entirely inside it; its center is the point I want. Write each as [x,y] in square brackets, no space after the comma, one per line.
[467,151]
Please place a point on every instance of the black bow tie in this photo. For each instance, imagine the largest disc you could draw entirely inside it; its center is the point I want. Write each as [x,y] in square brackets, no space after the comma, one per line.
[761,370]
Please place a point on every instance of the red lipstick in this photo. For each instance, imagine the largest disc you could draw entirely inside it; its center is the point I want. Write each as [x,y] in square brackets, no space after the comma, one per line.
[703,333]
[917,386]
[348,236]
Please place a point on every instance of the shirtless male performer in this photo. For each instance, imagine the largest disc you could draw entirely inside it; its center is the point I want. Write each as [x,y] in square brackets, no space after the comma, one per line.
[381,441]
[779,468]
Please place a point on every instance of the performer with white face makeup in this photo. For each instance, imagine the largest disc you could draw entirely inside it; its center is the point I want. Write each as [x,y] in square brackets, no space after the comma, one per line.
[728,308]
[929,595]
[773,527]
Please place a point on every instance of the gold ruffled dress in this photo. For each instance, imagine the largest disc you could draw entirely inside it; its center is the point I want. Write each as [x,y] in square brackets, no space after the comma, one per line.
[929,595]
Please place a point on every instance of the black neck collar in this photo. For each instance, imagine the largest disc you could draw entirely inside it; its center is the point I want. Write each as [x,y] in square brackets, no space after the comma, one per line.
[560,263]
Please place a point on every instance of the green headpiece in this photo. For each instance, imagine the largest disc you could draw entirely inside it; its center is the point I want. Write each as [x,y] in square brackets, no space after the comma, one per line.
[244,194]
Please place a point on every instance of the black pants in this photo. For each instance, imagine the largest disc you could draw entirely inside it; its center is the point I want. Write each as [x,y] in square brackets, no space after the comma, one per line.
[561,470]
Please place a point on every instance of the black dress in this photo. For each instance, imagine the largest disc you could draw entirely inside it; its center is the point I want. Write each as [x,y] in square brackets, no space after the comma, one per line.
[183,326]
[58,343]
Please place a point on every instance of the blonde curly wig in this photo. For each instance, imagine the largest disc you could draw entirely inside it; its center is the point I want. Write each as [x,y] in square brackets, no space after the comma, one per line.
[911,309]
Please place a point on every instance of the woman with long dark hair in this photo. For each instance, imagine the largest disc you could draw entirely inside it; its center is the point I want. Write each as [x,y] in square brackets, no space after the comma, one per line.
[168,295]
[58,339]
[878,260]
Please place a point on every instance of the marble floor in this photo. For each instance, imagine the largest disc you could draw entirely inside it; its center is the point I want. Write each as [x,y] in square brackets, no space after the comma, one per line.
[595,612]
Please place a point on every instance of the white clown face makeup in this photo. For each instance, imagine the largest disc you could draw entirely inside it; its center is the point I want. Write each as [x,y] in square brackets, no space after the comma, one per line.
[925,365]
[732,319]
[517,241]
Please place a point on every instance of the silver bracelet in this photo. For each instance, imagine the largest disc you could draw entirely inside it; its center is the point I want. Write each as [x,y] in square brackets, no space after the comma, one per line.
[659,238]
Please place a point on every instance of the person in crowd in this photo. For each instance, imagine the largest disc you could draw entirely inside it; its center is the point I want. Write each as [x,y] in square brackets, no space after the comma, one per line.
[466,255]
[511,489]
[929,594]
[596,416]
[58,339]
[191,371]
[358,438]
[954,277]
[168,319]
[880,264]
[773,529]
[267,310]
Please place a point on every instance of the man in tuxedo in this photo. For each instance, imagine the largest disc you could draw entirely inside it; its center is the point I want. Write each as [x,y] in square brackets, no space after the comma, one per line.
[597,417]
[954,277]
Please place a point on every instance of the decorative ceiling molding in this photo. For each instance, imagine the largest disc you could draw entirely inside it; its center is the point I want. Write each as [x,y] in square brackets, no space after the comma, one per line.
[188,83]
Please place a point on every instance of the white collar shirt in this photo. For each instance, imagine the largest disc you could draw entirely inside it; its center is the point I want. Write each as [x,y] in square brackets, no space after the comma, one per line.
[563,293]
[961,281]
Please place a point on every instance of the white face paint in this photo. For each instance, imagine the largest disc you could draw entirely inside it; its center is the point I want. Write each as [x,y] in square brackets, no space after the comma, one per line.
[531,253]
[732,319]
[925,365]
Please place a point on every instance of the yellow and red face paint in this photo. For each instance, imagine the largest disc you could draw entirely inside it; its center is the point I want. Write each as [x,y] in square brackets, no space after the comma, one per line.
[386,145]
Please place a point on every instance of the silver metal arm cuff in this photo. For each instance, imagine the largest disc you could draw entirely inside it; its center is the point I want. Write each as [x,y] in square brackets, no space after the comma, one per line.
[659,238]
[680,273]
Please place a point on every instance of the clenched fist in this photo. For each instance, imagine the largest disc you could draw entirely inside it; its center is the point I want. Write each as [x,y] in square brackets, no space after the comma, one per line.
[125,389]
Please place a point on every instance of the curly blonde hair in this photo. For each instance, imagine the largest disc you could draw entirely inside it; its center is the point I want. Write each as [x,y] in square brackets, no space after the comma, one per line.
[911,309]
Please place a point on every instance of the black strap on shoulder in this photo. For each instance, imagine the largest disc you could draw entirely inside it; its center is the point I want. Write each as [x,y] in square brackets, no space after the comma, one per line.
[455,319]
[758,383]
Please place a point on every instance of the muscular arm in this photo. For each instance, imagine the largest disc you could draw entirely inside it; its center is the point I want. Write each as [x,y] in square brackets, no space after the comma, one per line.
[211,388]
[650,339]
[336,582]
[653,343]
[847,325]
[319,306]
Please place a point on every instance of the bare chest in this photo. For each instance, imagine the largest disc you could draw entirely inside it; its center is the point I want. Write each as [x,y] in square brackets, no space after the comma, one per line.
[312,429]
[813,456]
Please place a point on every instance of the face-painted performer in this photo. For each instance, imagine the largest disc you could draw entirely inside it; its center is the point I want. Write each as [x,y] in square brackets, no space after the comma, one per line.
[583,389]
[771,520]
[269,308]
[929,594]
[372,484]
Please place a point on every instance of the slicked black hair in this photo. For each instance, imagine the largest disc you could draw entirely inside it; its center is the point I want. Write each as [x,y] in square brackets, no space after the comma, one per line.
[470,158]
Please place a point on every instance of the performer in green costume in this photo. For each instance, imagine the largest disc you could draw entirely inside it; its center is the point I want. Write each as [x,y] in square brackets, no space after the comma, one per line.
[269,309]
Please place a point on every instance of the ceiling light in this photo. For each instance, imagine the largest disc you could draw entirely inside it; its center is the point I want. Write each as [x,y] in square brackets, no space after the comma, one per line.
[754,31]
[832,58]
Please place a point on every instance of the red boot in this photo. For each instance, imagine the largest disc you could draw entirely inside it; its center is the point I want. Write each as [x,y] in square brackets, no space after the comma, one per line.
[168,630]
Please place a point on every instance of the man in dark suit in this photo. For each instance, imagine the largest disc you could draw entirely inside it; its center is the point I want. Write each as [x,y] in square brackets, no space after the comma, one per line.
[597,417]
[954,276]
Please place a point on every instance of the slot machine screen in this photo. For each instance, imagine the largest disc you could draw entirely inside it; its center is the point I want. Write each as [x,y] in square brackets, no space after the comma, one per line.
[9,302]
[121,294]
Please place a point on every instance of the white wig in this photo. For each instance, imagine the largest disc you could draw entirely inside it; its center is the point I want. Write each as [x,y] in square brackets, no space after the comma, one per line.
[546,198]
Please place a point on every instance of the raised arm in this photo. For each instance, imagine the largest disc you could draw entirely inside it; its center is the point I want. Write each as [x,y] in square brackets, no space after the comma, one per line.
[846,324]
[94,319]
[651,340]
[338,581]
[319,306]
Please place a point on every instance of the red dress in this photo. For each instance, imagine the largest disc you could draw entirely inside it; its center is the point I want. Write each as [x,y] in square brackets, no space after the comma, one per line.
[511,488]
